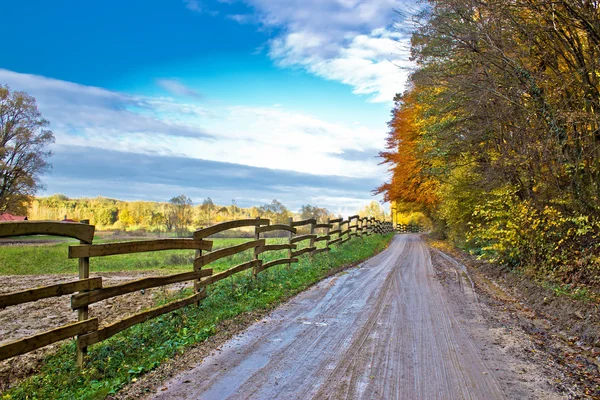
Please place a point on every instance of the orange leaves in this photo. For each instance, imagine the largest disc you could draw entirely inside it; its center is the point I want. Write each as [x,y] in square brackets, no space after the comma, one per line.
[409,181]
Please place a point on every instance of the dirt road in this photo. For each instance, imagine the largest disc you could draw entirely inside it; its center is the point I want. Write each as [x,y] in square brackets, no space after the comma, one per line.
[394,328]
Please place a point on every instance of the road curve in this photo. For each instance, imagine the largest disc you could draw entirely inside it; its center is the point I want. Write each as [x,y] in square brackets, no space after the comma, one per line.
[384,330]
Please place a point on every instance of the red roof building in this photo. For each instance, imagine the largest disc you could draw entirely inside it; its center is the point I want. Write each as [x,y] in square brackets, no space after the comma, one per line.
[4,217]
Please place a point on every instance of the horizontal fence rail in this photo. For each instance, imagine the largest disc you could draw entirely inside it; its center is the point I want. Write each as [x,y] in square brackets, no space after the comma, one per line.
[142,246]
[44,292]
[409,228]
[83,232]
[87,291]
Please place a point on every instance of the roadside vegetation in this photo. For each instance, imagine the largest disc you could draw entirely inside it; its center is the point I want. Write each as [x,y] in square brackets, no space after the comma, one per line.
[496,139]
[124,357]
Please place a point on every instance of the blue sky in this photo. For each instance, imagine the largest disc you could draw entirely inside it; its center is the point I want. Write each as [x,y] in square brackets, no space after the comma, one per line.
[234,99]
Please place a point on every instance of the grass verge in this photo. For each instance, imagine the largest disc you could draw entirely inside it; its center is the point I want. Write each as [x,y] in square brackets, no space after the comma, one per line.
[123,358]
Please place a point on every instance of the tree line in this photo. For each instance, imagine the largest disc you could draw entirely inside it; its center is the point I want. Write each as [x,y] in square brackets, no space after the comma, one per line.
[497,138]
[178,215]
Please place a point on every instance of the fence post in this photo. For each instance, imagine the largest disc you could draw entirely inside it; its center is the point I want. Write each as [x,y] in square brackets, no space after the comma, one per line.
[290,242]
[327,233]
[197,287]
[83,312]
[255,258]
[311,241]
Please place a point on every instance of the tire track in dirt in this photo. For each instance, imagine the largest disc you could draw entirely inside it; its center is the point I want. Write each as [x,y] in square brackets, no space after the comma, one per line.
[384,330]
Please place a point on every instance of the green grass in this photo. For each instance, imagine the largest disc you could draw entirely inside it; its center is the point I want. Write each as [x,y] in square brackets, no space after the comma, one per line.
[52,259]
[122,358]
[579,293]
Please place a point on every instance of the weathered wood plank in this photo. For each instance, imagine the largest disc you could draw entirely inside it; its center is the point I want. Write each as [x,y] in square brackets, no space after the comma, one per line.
[317,226]
[278,227]
[342,233]
[109,249]
[311,242]
[43,292]
[303,251]
[227,273]
[114,328]
[94,296]
[335,232]
[223,226]
[336,221]
[345,240]
[31,343]
[229,251]
[83,313]
[353,217]
[83,232]
[272,247]
[324,249]
[321,238]
[302,237]
[274,263]
[344,223]
[338,240]
[304,222]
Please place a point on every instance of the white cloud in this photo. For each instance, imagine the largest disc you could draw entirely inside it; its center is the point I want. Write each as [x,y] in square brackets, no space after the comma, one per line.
[351,41]
[269,137]
[197,6]
[177,88]
[193,5]
[241,18]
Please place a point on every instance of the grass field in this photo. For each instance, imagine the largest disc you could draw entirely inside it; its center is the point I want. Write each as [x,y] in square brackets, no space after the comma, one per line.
[33,259]
[141,348]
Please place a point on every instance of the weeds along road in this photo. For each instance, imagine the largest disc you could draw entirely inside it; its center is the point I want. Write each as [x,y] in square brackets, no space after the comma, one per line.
[390,329]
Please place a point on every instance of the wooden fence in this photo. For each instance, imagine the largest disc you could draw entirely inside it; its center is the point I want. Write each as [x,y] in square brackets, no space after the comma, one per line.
[409,228]
[86,291]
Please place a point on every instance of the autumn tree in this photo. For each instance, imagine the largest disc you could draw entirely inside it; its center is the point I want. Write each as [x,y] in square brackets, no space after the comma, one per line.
[207,208]
[320,214]
[24,141]
[179,214]
[412,180]
[498,135]
[372,210]
[275,211]
[233,208]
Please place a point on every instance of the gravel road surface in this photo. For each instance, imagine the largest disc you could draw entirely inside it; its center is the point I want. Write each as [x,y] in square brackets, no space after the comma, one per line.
[390,329]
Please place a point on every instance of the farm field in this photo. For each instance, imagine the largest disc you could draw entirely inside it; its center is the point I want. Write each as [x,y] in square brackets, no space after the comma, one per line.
[41,256]
[39,263]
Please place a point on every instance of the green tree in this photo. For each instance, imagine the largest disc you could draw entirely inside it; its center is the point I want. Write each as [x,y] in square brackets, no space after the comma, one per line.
[106,216]
[24,140]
